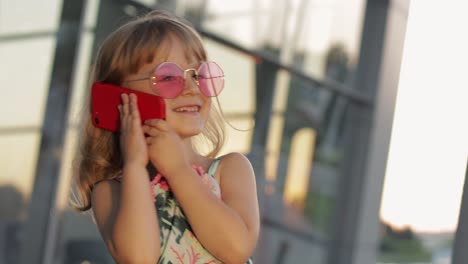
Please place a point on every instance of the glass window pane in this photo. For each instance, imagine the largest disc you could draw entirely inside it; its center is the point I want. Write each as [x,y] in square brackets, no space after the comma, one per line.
[26,70]
[79,239]
[239,70]
[18,156]
[308,28]
[80,82]
[238,141]
[91,12]
[302,162]
[24,16]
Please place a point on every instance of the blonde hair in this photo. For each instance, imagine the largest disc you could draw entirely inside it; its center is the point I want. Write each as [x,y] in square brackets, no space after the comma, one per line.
[122,53]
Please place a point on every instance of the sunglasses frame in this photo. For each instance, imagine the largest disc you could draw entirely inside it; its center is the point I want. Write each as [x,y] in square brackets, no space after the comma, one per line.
[153,81]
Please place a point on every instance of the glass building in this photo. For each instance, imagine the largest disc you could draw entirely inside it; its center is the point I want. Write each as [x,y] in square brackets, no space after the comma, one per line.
[310,91]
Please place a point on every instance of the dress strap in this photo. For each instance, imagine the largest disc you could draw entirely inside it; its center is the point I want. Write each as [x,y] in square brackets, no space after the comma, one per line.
[213,167]
[117,177]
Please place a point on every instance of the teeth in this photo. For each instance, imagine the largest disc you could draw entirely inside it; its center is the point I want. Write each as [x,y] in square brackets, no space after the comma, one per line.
[187,109]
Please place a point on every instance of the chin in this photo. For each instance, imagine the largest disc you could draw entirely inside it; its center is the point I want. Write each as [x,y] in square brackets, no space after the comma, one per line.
[187,127]
[185,136]
[186,133]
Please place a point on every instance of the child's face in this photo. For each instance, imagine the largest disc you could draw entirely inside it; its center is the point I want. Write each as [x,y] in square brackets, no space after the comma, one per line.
[188,112]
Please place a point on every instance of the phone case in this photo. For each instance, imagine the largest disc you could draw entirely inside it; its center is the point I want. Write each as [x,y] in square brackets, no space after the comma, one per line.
[106,97]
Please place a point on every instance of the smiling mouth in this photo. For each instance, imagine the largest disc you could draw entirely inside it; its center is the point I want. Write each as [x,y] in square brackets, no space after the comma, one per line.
[187,109]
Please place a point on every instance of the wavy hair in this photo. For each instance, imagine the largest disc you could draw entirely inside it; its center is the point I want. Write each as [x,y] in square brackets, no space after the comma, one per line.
[122,53]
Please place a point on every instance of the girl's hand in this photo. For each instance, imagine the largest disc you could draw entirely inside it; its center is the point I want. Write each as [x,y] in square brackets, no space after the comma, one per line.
[166,148]
[132,140]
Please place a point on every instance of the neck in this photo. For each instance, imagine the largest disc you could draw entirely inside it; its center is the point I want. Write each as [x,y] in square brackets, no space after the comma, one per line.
[193,156]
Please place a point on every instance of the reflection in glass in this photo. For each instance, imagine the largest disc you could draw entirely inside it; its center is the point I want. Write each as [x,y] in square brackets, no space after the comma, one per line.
[298,174]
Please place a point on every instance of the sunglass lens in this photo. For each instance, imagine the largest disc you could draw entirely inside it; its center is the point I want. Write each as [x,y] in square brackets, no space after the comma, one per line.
[169,80]
[211,79]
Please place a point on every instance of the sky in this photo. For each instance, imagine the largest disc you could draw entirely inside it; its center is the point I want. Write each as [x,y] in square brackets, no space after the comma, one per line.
[429,143]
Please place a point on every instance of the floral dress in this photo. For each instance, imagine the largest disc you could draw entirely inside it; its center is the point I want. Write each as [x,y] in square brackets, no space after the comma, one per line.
[178,242]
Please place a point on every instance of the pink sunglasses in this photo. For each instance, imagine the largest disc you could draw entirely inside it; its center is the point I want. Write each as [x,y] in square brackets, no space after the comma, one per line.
[168,79]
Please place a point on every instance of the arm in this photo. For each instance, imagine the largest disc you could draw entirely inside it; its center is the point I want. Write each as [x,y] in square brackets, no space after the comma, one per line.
[126,217]
[228,228]
[125,213]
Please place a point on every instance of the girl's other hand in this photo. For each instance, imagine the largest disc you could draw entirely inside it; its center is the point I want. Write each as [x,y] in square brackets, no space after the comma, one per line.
[132,140]
[166,148]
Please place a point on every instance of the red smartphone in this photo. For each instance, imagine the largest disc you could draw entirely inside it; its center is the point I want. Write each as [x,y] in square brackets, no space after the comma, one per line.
[106,97]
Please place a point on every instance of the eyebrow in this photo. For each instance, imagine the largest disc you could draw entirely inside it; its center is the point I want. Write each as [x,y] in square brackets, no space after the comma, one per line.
[195,64]
[192,65]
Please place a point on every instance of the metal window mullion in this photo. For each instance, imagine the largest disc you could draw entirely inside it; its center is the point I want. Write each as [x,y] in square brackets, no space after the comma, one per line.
[34,233]
[460,254]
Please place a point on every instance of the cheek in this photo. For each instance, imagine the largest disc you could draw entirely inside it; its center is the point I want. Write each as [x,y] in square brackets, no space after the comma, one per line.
[206,109]
[141,86]
[168,109]
[207,102]
[167,104]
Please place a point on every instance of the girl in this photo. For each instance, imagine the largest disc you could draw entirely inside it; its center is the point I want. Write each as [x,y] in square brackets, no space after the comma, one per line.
[155,198]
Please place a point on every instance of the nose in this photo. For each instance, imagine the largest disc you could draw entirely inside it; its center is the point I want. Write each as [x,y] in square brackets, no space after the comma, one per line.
[191,82]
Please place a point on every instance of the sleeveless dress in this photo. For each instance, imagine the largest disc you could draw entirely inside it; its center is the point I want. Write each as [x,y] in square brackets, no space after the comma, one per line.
[179,244]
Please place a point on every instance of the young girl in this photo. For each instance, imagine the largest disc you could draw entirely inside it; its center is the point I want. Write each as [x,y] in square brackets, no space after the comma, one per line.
[155,198]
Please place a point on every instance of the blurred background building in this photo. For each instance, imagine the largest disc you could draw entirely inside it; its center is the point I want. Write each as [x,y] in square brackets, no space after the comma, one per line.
[314,81]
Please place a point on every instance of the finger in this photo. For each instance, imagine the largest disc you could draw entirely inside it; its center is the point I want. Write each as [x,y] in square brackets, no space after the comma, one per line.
[151,131]
[125,102]
[159,124]
[150,140]
[134,106]
[134,113]
[123,117]
[119,107]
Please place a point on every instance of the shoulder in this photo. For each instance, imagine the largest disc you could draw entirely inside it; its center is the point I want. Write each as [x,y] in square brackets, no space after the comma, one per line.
[233,159]
[106,186]
[235,165]
[104,196]
[239,190]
